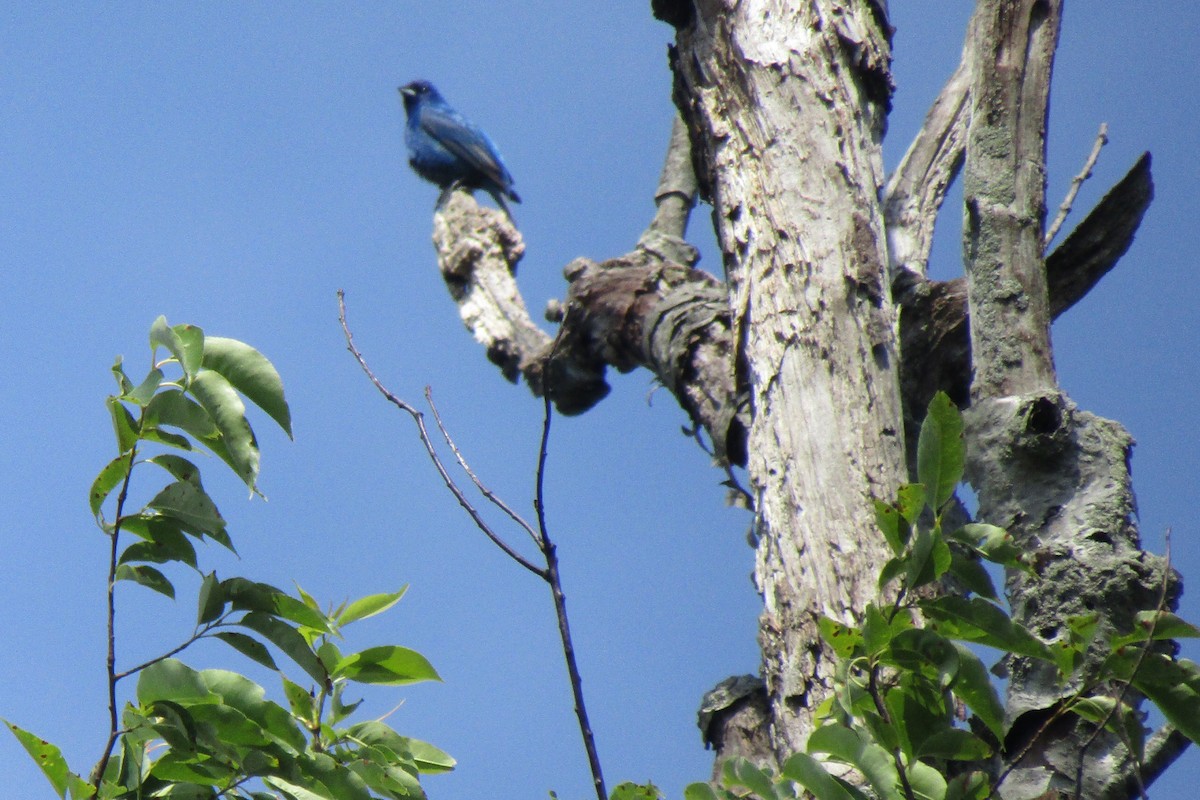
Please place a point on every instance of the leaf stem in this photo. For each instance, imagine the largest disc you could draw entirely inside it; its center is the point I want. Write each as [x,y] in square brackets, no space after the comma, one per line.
[111,612]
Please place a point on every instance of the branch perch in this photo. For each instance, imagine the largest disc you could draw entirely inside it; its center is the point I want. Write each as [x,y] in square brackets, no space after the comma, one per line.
[648,309]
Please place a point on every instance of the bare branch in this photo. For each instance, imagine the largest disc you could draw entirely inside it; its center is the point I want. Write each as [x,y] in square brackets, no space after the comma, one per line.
[491,496]
[933,316]
[917,188]
[419,419]
[560,601]
[1097,243]
[1076,182]
[1004,189]
[674,200]
[478,250]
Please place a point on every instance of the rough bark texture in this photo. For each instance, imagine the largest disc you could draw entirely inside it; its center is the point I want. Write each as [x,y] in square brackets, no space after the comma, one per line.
[1056,477]
[639,310]
[933,314]
[792,367]
[786,105]
[1004,190]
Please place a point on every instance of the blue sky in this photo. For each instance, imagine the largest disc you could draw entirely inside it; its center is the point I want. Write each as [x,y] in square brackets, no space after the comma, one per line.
[232,166]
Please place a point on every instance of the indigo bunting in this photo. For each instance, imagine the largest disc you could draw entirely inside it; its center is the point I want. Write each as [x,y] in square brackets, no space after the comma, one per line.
[447,149]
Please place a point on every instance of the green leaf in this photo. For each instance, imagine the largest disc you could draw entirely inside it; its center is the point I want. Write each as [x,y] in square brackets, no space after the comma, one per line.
[145,390]
[973,685]
[389,665]
[844,640]
[50,759]
[124,425]
[739,771]
[298,792]
[218,397]
[876,632]
[211,600]
[910,501]
[185,343]
[146,576]
[1157,625]
[301,613]
[918,710]
[812,775]
[248,646]
[992,543]
[429,759]
[385,772]
[173,407]
[308,599]
[301,700]
[972,574]
[1172,685]
[160,436]
[330,656]
[954,744]
[339,710]
[369,606]
[162,542]
[926,782]
[929,560]
[287,639]
[191,505]
[178,466]
[250,373]
[892,569]
[248,595]
[870,759]
[191,778]
[940,450]
[172,680]
[700,791]
[124,385]
[969,786]
[635,791]
[977,620]
[108,479]
[895,530]
[249,699]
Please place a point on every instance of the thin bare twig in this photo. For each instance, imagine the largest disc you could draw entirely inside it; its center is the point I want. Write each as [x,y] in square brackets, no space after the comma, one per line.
[195,637]
[1076,182]
[550,573]
[491,496]
[560,601]
[419,419]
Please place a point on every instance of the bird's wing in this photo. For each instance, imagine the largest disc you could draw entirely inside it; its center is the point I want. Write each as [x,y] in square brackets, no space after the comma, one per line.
[462,138]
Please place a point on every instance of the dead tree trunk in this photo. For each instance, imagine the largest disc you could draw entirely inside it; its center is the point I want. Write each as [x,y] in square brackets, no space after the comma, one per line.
[787,108]
[1055,476]
[825,341]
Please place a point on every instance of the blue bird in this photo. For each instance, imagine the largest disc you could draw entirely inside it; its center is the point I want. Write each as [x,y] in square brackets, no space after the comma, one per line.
[447,149]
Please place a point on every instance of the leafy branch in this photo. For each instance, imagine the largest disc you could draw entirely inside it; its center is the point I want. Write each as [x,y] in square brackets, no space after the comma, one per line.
[213,733]
[915,713]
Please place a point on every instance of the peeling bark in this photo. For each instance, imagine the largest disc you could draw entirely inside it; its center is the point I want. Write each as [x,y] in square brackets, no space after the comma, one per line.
[792,364]
[786,105]
[639,310]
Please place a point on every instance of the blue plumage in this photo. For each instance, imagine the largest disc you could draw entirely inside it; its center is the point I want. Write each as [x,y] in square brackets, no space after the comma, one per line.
[447,149]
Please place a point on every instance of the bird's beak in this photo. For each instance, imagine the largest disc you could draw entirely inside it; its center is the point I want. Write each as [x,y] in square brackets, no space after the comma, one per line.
[404,90]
